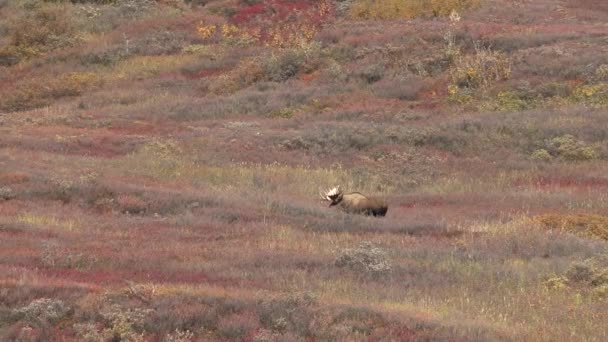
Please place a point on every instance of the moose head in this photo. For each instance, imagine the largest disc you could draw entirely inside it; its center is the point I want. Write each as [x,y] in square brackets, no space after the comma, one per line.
[354,202]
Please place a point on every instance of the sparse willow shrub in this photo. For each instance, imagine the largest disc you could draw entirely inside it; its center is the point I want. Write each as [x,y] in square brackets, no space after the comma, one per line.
[371,73]
[237,326]
[125,324]
[294,210]
[481,69]
[553,89]
[405,88]
[528,241]
[160,42]
[581,272]
[293,313]
[510,43]
[246,73]
[591,274]
[160,157]
[353,321]
[343,137]
[259,102]
[106,57]
[289,62]
[366,258]
[103,16]
[88,332]
[179,336]
[131,204]
[6,193]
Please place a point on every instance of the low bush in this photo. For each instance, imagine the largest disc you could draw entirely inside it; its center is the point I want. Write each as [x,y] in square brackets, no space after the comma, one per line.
[237,326]
[292,61]
[292,313]
[43,311]
[406,88]
[334,138]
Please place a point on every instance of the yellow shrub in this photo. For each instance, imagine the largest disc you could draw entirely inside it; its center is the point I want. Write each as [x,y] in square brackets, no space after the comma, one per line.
[459,96]
[75,83]
[602,72]
[393,9]
[586,224]
[556,283]
[481,69]
[541,154]
[593,94]
[142,67]
[569,148]
[38,92]
[205,31]
[511,101]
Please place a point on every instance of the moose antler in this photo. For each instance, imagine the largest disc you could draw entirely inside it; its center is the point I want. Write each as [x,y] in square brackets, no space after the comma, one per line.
[330,193]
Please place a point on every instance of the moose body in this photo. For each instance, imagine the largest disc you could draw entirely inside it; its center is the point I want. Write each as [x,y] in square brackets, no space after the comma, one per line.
[355,202]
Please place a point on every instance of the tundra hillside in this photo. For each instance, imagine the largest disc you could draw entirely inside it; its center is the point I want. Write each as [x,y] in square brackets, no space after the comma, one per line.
[161,162]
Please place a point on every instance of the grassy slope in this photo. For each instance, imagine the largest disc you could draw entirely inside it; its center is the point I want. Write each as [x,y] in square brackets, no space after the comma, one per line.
[161,182]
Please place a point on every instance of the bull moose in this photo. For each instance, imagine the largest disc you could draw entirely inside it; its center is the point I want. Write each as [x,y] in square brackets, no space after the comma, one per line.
[355,202]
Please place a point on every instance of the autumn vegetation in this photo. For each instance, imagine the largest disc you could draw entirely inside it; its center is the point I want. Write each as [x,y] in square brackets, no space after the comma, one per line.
[161,162]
